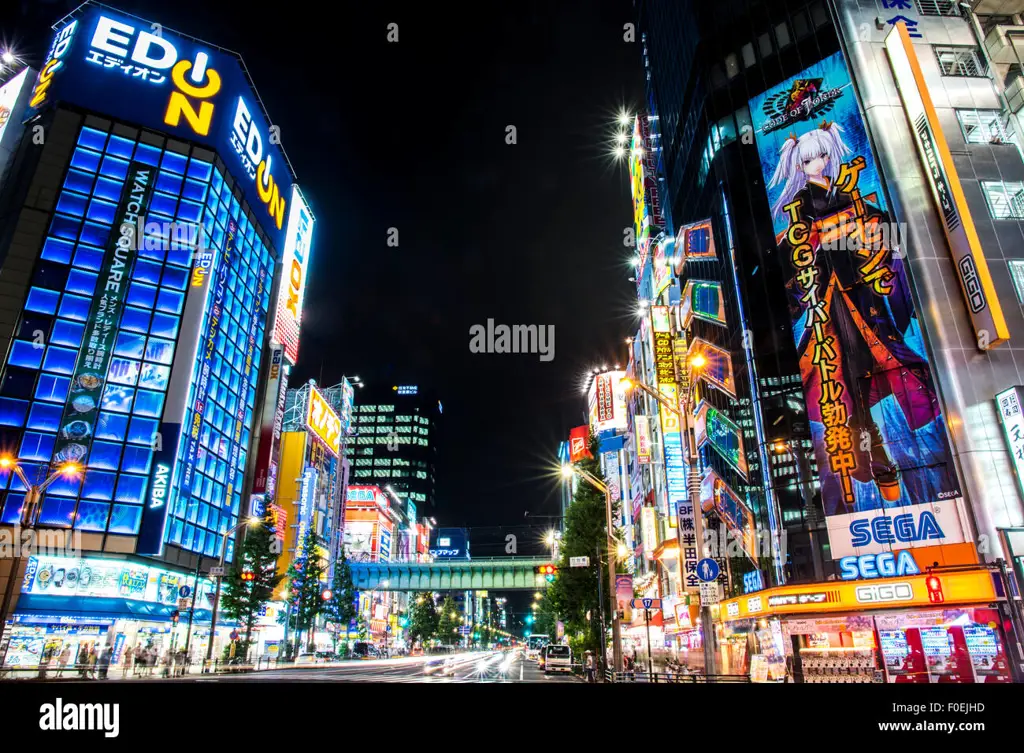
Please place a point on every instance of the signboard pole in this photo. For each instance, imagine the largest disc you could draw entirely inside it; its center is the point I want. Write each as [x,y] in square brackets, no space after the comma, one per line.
[650,659]
[192,610]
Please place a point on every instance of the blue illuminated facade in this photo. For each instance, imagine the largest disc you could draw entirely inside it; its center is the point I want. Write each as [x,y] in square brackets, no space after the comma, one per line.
[37,378]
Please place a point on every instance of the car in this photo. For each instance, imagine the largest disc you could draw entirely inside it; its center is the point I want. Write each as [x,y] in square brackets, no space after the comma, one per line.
[556,658]
[440,665]
[317,657]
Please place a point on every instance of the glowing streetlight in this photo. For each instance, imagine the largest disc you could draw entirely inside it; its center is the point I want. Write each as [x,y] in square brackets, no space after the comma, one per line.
[624,118]
[8,57]
[620,152]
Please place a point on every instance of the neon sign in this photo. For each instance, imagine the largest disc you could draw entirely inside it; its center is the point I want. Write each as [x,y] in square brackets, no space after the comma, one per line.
[323,421]
[298,241]
[61,44]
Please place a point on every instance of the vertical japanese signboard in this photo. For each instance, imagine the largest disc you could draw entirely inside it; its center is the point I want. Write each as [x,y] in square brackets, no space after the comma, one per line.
[1011,416]
[879,436]
[642,425]
[95,364]
[957,223]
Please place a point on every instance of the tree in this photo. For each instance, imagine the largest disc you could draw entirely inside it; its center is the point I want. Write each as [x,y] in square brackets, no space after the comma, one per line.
[250,584]
[341,608]
[448,623]
[305,585]
[574,593]
[424,622]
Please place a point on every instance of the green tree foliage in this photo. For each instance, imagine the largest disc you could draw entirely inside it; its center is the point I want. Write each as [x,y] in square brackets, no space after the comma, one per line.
[305,585]
[243,598]
[574,593]
[340,609]
[423,625]
[449,622]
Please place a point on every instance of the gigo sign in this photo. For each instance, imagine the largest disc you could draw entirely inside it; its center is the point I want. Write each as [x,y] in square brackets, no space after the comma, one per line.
[323,421]
[152,76]
[298,241]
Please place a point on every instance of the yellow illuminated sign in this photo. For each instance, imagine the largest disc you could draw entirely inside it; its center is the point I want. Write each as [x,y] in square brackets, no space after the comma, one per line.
[323,421]
[957,587]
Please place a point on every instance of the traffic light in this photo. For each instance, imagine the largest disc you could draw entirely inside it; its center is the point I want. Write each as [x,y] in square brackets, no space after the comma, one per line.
[326,594]
[248,576]
[547,571]
[174,616]
[529,619]
[934,586]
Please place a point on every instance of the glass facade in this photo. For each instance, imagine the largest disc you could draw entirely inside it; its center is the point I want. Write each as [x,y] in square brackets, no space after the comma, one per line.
[36,387]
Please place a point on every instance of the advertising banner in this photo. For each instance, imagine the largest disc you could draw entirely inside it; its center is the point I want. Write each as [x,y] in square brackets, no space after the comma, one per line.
[162,473]
[1011,417]
[879,436]
[322,421]
[695,242]
[725,437]
[298,243]
[307,488]
[715,494]
[155,77]
[702,299]
[624,596]
[642,426]
[268,421]
[579,443]
[969,257]
[95,359]
[607,400]
[205,362]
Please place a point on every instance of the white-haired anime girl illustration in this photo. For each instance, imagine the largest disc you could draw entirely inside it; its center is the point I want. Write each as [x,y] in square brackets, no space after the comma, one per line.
[809,165]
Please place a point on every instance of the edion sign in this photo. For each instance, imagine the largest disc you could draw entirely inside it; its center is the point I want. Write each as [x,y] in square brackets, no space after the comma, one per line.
[323,421]
[298,242]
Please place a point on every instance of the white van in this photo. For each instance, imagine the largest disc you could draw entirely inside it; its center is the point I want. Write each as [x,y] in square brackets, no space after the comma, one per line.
[557,658]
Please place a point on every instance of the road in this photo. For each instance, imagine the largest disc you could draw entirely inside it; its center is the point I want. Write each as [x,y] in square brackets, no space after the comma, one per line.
[488,666]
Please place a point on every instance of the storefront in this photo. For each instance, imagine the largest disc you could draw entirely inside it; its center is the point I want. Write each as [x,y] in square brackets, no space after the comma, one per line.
[103,602]
[939,627]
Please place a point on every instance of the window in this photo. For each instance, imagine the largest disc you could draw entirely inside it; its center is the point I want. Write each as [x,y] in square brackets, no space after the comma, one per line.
[1017,275]
[748,55]
[959,61]
[782,35]
[937,7]
[984,127]
[764,43]
[1005,200]
[732,66]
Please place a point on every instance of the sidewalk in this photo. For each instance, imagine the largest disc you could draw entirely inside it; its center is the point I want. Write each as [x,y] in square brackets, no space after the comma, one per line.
[116,672]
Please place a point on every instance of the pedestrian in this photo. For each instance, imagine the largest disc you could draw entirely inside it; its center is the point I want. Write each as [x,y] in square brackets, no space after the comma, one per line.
[103,662]
[91,663]
[588,666]
[63,659]
[126,663]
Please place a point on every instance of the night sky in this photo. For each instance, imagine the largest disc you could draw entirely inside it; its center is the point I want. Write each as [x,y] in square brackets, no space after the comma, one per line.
[412,136]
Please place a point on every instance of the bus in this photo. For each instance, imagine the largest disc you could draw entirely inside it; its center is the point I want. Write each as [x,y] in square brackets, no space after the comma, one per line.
[535,643]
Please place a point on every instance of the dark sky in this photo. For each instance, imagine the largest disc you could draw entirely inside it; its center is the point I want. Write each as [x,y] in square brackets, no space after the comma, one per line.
[412,136]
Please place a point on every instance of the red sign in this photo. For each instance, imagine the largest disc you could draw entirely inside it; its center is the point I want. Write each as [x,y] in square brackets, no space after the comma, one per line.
[280,517]
[579,443]
[605,399]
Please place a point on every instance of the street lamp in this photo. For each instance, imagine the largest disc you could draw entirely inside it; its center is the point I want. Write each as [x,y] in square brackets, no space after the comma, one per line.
[27,517]
[216,597]
[568,471]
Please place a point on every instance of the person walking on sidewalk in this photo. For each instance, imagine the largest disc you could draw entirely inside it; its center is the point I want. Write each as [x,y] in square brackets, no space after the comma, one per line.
[126,663]
[63,659]
[104,663]
[589,666]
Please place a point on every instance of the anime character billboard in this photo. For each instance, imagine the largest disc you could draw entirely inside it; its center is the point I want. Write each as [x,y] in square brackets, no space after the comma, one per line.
[879,437]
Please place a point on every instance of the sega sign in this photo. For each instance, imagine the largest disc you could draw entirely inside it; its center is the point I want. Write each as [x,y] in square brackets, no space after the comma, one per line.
[125,67]
[884,565]
[905,527]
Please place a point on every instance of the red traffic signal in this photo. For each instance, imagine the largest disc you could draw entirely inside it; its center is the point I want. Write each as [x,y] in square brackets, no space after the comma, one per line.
[934,586]
[326,594]
[548,571]
[248,575]
[174,616]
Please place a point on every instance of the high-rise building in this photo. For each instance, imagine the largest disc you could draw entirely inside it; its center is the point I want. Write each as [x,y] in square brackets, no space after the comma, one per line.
[839,178]
[141,325]
[395,442]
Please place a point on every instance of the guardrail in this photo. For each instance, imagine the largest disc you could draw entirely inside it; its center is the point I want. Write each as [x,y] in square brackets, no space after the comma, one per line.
[673,678]
[138,671]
